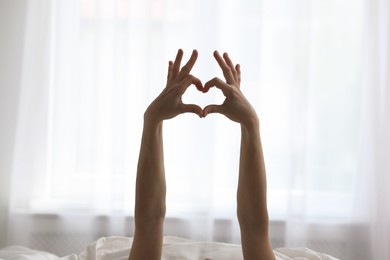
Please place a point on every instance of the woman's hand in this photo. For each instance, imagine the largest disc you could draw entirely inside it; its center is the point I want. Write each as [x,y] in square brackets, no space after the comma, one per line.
[236,107]
[169,103]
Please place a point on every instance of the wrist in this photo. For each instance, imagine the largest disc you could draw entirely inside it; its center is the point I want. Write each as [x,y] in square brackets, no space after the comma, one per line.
[252,124]
[152,126]
[151,119]
[250,132]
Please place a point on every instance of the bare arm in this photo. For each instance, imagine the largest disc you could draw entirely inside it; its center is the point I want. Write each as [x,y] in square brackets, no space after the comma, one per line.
[252,210]
[150,205]
[150,195]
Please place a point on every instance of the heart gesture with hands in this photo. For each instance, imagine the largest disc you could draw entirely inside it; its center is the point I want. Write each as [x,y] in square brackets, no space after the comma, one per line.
[150,205]
[169,103]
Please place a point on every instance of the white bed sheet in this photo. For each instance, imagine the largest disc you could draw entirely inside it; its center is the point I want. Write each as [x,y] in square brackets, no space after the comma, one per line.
[175,248]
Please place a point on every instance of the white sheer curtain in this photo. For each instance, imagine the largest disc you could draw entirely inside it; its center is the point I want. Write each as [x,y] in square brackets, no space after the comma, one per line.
[91,67]
[372,194]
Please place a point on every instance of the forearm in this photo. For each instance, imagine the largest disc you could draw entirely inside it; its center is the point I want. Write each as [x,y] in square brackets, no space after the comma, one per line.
[150,185]
[252,186]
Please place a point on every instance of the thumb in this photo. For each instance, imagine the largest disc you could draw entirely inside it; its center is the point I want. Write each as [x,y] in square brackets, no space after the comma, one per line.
[190,108]
[212,109]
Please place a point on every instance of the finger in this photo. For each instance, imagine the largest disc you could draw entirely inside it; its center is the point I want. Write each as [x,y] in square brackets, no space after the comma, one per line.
[217,82]
[231,65]
[176,64]
[191,80]
[190,108]
[238,69]
[170,64]
[213,109]
[188,67]
[227,73]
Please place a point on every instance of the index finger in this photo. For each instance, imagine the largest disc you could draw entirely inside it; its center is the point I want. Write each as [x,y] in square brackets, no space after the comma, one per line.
[217,82]
[191,80]
[189,65]
[227,72]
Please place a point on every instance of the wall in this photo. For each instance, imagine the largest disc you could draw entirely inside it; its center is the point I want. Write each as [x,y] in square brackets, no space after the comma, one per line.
[12,23]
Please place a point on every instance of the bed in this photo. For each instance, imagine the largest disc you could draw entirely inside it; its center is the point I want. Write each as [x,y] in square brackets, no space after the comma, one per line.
[175,248]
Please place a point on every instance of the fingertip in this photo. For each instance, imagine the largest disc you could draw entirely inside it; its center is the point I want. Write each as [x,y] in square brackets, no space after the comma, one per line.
[199,85]
[215,82]
[207,109]
[203,115]
[194,53]
[205,88]
[200,88]
[193,109]
[206,113]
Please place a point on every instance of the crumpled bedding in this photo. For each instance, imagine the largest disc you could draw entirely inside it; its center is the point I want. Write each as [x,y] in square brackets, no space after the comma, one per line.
[117,248]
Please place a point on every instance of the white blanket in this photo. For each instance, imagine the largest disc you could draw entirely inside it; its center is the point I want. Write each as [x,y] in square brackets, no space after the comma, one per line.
[117,248]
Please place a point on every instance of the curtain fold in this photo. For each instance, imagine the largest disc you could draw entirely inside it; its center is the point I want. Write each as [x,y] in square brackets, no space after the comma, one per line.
[31,132]
[372,194]
[315,71]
